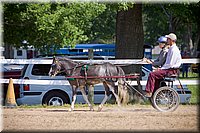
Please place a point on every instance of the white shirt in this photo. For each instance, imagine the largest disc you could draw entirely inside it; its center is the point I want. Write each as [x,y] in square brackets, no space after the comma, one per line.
[173,58]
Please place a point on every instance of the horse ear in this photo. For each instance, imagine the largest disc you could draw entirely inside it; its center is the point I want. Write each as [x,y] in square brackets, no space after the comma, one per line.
[54,58]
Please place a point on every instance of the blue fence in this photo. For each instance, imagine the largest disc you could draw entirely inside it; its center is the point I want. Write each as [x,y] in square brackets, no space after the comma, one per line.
[82,49]
[101,50]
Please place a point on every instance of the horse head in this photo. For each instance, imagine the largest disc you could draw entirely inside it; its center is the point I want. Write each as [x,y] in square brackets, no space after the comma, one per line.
[55,67]
[62,65]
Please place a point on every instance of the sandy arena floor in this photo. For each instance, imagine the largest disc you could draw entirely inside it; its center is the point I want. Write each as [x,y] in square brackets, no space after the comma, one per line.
[111,118]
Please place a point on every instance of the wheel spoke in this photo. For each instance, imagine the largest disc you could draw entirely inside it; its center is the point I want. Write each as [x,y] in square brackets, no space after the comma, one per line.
[166,99]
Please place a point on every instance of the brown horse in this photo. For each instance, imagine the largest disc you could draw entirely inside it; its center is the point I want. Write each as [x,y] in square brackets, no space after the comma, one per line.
[100,73]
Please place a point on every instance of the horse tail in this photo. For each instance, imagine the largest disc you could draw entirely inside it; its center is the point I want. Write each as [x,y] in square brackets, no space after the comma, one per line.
[122,89]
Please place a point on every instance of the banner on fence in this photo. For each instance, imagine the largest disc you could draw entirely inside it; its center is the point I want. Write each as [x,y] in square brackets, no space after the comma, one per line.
[117,61]
[65,82]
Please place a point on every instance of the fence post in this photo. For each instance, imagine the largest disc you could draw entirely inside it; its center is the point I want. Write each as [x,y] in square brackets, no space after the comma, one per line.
[90,54]
[90,87]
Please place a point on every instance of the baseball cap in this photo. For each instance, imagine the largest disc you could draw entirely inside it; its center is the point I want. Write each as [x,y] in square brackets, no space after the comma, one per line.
[171,36]
[162,39]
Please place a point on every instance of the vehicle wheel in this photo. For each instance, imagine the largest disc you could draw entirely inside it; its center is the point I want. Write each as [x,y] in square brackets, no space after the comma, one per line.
[55,99]
[166,99]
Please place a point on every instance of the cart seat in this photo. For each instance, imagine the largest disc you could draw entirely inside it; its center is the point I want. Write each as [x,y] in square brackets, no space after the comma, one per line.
[170,78]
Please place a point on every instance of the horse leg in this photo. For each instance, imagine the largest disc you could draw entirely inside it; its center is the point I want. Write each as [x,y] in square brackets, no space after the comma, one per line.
[112,88]
[107,93]
[123,92]
[86,98]
[74,88]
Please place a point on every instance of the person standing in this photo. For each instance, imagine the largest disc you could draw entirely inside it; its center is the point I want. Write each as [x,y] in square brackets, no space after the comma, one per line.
[185,66]
[171,66]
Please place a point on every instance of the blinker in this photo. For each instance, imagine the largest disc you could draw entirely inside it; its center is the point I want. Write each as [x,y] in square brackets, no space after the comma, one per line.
[53,65]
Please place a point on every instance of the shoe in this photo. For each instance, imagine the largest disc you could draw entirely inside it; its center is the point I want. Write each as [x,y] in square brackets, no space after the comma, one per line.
[148,94]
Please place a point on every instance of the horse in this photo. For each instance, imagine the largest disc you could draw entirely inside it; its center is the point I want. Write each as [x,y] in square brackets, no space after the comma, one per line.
[104,71]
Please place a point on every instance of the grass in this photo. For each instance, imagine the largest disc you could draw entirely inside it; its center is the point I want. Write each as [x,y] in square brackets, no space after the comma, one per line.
[45,106]
[195,97]
[64,106]
[193,88]
[190,76]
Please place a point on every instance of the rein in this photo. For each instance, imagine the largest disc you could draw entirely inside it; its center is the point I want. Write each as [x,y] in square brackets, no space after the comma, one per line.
[73,68]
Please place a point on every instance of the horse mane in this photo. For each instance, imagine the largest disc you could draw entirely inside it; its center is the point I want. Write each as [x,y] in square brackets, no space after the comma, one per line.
[65,59]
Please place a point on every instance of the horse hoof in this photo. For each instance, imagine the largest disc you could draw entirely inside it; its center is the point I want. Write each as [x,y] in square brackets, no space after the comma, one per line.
[100,108]
[91,109]
[70,110]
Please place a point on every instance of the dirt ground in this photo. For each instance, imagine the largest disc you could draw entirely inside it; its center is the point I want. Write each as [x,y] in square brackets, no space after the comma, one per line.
[111,118]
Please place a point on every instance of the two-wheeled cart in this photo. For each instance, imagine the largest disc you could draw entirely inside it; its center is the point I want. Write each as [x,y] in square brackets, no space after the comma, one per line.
[165,98]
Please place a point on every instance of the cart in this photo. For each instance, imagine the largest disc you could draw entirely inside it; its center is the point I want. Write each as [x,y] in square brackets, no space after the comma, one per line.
[165,98]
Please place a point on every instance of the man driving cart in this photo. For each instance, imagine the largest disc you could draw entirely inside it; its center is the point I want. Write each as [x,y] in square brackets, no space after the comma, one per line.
[171,66]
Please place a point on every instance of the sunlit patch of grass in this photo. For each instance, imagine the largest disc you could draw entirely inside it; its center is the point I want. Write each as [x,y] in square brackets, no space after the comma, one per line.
[32,106]
[195,97]
[190,76]
[42,106]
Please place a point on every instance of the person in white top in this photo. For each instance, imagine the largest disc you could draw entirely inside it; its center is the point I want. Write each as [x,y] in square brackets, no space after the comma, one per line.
[171,66]
[173,59]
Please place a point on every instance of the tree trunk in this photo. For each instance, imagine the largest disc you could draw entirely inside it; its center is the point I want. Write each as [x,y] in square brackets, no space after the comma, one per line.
[8,53]
[190,42]
[130,36]
[187,38]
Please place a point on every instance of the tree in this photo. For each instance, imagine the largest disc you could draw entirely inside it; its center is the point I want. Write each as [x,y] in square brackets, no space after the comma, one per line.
[194,10]
[129,35]
[49,25]
[179,18]
[155,23]
[181,23]
[103,29]
[14,30]
[64,24]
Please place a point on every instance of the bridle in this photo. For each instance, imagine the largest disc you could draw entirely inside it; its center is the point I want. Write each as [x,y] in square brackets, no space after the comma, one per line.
[64,70]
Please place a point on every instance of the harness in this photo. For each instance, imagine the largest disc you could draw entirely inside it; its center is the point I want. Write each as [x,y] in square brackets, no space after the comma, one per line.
[83,71]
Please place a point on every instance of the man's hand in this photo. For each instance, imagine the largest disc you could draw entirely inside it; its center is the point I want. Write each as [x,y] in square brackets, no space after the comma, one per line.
[147,60]
[157,69]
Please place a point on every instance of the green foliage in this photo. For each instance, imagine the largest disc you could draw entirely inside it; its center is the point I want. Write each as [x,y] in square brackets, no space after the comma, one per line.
[51,25]
[63,24]
[125,6]
[103,28]
[57,25]
[155,23]
[158,17]
[15,30]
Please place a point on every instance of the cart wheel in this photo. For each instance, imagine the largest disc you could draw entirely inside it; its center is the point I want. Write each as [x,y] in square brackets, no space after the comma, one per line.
[165,99]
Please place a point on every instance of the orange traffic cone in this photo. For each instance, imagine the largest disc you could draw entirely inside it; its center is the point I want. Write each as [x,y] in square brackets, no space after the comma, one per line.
[10,96]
